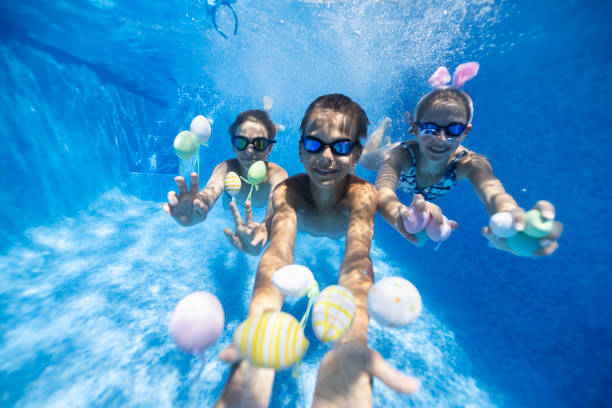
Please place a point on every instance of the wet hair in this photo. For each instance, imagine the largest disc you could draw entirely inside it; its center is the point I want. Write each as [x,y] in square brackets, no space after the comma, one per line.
[341,104]
[254,115]
[445,94]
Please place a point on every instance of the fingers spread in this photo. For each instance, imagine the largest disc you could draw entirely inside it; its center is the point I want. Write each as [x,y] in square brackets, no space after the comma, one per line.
[394,379]
[236,215]
[180,182]
[233,239]
[172,198]
[547,210]
[198,206]
[248,212]
[194,184]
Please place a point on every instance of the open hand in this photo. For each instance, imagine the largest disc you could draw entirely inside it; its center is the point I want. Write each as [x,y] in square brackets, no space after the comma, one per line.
[250,237]
[548,244]
[340,381]
[188,208]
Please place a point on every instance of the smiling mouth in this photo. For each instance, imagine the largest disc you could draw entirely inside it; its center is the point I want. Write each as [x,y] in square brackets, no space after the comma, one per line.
[438,150]
[325,172]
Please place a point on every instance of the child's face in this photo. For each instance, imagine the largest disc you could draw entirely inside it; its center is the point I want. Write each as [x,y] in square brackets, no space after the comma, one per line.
[441,146]
[325,168]
[251,130]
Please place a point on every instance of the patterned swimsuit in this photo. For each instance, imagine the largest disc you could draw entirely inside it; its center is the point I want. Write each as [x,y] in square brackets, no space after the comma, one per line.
[407,180]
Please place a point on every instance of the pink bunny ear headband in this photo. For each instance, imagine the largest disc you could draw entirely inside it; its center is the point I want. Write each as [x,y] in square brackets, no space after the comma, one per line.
[463,73]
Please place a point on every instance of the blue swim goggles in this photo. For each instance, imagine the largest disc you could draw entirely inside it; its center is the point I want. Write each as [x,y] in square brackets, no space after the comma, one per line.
[339,147]
[451,131]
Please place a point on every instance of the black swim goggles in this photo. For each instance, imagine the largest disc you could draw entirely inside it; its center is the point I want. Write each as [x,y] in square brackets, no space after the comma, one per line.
[451,131]
[259,143]
[339,147]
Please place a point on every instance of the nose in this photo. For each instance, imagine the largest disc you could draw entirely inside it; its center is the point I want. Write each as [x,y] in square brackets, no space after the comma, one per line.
[441,135]
[327,154]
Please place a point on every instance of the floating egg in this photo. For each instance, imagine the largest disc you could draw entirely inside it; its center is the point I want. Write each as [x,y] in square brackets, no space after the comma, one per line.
[197,322]
[257,172]
[232,183]
[333,313]
[501,224]
[271,339]
[437,232]
[185,145]
[200,127]
[417,222]
[536,226]
[523,244]
[293,280]
[394,302]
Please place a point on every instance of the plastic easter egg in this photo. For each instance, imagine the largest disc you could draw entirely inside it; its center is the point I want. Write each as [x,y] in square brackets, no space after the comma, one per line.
[422,237]
[523,244]
[536,226]
[185,145]
[293,280]
[232,183]
[200,127]
[394,302]
[257,172]
[501,224]
[272,339]
[438,233]
[197,322]
[333,313]
[418,222]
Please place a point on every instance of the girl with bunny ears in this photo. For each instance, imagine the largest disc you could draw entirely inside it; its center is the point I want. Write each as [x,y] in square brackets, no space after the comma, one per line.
[436,161]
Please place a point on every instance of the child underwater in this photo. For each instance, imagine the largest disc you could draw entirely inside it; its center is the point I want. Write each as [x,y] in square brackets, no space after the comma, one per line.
[433,164]
[328,200]
[252,137]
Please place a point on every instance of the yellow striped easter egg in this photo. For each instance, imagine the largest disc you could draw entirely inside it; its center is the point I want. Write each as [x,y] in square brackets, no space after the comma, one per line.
[271,339]
[232,183]
[333,313]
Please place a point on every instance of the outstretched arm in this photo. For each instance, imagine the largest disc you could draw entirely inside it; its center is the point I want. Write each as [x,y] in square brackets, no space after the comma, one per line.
[191,207]
[345,372]
[495,199]
[249,386]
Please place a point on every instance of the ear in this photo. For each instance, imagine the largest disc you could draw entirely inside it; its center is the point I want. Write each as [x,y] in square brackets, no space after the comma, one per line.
[467,130]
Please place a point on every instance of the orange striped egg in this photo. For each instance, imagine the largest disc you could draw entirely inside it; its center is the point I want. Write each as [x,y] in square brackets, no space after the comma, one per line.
[272,339]
[333,313]
[232,183]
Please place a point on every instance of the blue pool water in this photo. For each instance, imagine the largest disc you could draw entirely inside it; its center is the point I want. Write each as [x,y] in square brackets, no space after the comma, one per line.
[93,93]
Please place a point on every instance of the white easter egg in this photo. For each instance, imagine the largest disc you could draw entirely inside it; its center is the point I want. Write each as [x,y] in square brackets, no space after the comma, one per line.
[200,127]
[501,224]
[333,313]
[394,302]
[293,280]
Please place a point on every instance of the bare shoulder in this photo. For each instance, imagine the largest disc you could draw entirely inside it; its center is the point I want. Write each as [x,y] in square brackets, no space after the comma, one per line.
[473,163]
[361,193]
[276,172]
[290,191]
